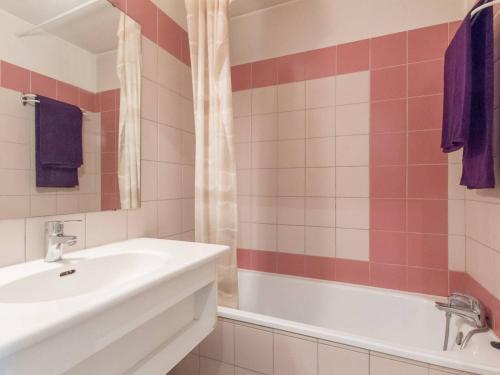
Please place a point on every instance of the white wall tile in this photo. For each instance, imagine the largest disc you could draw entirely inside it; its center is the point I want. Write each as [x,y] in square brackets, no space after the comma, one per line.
[353,88]
[320,182]
[294,356]
[385,366]
[320,122]
[291,210]
[320,152]
[320,92]
[12,233]
[291,239]
[264,100]
[320,241]
[320,212]
[265,127]
[292,125]
[353,244]
[352,119]
[352,213]
[254,349]
[292,154]
[333,360]
[292,96]
[352,150]
[105,227]
[220,345]
[352,182]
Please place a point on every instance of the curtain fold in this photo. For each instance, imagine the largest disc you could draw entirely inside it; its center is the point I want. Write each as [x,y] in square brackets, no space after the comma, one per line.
[216,218]
[129,63]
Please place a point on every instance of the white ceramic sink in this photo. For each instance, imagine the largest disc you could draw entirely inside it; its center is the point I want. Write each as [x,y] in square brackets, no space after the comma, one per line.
[146,302]
[77,276]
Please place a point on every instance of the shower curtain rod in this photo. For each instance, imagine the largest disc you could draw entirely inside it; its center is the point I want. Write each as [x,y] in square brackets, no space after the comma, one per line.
[484,6]
[58,17]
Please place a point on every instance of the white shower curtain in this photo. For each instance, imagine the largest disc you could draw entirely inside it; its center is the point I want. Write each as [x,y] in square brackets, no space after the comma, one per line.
[129,62]
[216,217]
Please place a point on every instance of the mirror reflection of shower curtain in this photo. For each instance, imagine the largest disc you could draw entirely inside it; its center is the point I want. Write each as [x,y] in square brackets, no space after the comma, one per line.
[129,129]
[216,216]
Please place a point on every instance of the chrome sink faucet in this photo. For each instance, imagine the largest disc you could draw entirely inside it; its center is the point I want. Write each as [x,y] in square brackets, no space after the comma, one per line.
[468,308]
[55,239]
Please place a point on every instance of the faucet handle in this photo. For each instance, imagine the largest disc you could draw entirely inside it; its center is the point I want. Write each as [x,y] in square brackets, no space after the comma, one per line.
[57,226]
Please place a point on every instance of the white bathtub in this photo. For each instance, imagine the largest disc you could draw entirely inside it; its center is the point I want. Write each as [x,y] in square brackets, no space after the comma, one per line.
[393,323]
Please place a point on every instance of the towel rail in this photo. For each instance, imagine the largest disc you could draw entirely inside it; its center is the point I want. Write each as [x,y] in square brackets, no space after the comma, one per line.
[31,99]
[484,6]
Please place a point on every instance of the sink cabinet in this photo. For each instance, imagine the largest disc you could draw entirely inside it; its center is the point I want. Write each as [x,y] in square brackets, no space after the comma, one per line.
[146,331]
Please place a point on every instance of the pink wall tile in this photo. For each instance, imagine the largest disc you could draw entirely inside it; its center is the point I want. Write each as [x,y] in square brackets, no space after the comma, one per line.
[43,85]
[321,62]
[388,149]
[290,264]
[185,51]
[428,250]
[108,142]
[241,77]
[426,78]
[352,271]
[14,77]
[388,247]
[264,261]
[108,100]
[86,100]
[67,93]
[425,112]
[169,34]
[291,68]
[388,276]
[428,181]
[353,57]
[388,182]
[427,43]
[319,267]
[109,162]
[388,50]
[244,258]
[388,116]
[146,13]
[452,29]
[388,83]
[265,73]
[422,280]
[388,214]
[424,148]
[428,216]
[109,183]
[109,122]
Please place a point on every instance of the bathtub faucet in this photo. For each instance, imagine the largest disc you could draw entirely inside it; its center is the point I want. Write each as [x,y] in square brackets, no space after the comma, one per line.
[468,308]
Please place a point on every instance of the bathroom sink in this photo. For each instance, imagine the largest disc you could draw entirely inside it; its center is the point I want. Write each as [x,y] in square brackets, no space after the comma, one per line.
[76,276]
[146,301]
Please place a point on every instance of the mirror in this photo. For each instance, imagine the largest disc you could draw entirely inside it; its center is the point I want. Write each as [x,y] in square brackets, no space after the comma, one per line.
[69,135]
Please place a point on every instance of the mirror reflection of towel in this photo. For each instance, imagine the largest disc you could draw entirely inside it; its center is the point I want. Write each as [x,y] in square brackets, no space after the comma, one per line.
[58,143]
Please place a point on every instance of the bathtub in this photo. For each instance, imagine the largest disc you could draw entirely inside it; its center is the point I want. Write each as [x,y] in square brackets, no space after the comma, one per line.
[392,323]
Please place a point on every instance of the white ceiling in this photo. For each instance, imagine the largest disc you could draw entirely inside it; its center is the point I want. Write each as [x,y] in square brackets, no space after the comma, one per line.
[93,28]
[240,7]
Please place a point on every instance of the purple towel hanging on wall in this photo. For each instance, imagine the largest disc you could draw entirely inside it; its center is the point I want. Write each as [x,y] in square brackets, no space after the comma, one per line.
[468,98]
[58,143]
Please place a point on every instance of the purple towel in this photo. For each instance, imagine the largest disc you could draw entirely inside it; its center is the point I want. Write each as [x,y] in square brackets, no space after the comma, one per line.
[58,146]
[468,98]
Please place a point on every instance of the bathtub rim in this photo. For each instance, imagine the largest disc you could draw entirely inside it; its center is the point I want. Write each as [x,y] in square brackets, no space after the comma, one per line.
[430,357]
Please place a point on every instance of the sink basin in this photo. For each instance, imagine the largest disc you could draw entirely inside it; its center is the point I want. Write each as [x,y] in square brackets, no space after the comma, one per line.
[146,301]
[76,276]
